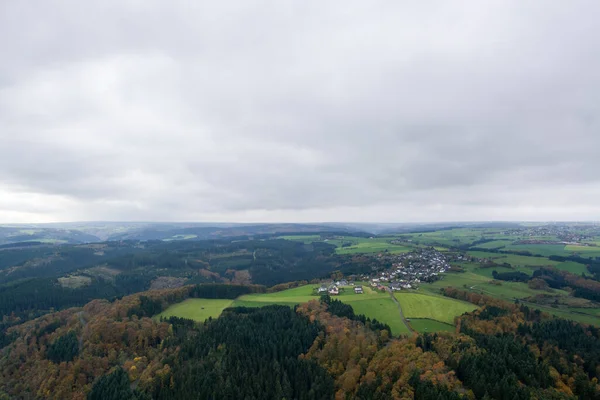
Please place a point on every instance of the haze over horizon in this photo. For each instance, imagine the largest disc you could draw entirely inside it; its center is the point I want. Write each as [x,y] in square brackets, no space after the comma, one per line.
[286,111]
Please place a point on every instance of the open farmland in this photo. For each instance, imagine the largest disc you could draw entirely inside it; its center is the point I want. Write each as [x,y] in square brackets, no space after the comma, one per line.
[532,262]
[373,246]
[438,308]
[372,303]
[353,244]
[495,244]
[384,310]
[423,325]
[476,279]
[584,251]
[480,280]
[514,259]
[196,309]
[541,249]
[302,238]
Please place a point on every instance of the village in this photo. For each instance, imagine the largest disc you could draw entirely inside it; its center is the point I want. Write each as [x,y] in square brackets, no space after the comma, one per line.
[565,234]
[407,272]
[410,269]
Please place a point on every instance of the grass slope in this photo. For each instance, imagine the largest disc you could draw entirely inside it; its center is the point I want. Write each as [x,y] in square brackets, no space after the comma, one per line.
[429,325]
[354,245]
[442,309]
[196,309]
[373,304]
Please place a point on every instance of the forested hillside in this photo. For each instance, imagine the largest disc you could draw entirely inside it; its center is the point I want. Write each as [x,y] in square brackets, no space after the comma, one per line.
[109,350]
[35,280]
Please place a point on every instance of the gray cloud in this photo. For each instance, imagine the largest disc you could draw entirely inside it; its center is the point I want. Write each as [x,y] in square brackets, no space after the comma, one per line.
[299,111]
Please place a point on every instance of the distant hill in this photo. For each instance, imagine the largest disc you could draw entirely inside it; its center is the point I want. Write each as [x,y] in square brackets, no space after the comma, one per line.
[81,232]
[27,233]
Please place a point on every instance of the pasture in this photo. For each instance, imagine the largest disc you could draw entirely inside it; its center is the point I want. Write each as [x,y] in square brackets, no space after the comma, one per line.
[196,309]
[513,259]
[584,251]
[384,310]
[302,238]
[442,309]
[480,280]
[423,325]
[372,303]
[353,244]
[528,264]
[495,244]
[374,246]
[180,237]
[541,249]
[476,279]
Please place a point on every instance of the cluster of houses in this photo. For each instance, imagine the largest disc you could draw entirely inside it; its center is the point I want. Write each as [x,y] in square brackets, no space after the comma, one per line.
[565,233]
[407,271]
[410,269]
[334,287]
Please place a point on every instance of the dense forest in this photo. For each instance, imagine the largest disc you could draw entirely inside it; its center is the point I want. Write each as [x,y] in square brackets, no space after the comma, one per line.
[318,350]
[40,279]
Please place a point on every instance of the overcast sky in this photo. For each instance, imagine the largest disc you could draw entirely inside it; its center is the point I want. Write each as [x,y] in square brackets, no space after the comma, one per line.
[382,111]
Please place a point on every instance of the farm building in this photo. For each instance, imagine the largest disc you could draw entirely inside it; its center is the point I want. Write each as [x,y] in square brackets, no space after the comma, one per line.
[358,290]
[322,289]
[334,290]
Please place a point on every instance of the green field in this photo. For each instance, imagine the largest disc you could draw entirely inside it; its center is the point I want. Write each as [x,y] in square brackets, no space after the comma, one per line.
[372,303]
[196,309]
[479,280]
[442,309]
[573,267]
[374,246]
[587,317]
[180,237]
[354,245]
[451,237]
[513,259]
[494,244]
[302,238]
[429,325]
[532,262]
[542,249]
[384,310]
[584,251]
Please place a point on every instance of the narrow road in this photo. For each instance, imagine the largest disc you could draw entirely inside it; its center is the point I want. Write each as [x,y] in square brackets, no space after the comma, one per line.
[410,329]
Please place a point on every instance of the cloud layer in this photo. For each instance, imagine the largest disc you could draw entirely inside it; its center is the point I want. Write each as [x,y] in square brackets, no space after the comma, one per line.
[299,111]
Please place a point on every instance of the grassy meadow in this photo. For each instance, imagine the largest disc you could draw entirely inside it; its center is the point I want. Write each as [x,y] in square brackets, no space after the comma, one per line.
[437,312]
[354,245]
[196,309]
[423,325]
[479,280]
[438,308]
[427,310]
[372,303]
